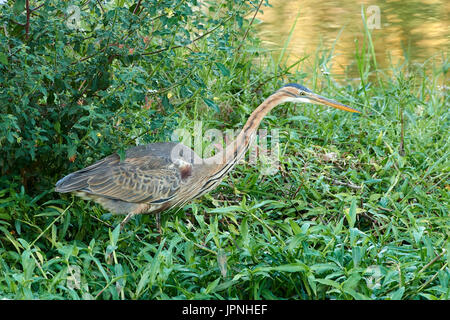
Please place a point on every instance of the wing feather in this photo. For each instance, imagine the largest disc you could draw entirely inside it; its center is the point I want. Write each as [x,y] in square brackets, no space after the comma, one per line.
[142,179]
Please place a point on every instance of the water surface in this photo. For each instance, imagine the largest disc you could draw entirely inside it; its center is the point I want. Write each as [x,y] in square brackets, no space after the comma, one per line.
[416,31]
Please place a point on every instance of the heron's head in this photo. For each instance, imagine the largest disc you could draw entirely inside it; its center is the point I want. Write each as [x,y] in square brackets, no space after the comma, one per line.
[293,92]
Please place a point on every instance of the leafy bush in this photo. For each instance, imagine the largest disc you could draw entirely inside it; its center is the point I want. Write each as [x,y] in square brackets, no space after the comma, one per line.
[82,79]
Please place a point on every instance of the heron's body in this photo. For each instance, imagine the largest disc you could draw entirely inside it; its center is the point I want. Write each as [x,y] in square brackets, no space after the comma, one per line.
[159,176]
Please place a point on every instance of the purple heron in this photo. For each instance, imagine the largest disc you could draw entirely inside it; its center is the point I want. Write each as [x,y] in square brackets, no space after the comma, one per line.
[158,176]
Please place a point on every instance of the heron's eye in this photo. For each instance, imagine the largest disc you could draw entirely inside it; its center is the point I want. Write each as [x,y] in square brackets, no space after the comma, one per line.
[301,93]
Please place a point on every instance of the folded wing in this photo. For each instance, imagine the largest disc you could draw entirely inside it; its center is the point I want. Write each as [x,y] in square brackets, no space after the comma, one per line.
[149,179]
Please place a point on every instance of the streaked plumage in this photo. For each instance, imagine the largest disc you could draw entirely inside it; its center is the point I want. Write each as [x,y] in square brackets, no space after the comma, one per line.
[159,176]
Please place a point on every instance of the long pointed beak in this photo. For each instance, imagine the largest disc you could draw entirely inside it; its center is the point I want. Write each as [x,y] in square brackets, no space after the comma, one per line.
[315,98]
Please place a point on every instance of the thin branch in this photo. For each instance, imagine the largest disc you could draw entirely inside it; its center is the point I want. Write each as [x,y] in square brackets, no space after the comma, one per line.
[250,25]
[7,37]
[52,223]
[137,6]
[401,148]
[432,278]
[194,40]
[100,220]
[422,270]
[101,7]
[341,183]
[20,24]
[39,6]
[27,24]
[433,261]
[194,243]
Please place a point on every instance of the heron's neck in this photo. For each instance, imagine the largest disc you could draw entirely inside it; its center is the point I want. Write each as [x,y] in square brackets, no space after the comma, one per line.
[237,148]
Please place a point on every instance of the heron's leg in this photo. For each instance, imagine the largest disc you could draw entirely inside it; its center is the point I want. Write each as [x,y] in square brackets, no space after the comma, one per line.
[158,222]
[127,218]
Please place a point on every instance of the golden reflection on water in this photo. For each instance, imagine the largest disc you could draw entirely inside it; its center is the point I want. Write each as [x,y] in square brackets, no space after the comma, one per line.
[417,30]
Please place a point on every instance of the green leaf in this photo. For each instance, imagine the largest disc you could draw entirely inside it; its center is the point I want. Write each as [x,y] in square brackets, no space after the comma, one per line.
[243,229]
[350,214]
[398,294]
[324,267]
[292,267]
[114,235]
[299,118]
[356,295]
[296,241]
[448,253]
[295,227]
[223,69]
[211,104]
[227,209]
[122,154]
[3,59]
[210,288]
[373,181]
[329,282]
[72,150]
[150,272]
[18,6]
[352,281]
[100,268]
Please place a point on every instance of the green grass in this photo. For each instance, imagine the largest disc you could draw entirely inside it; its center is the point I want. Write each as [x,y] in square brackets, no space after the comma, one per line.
[358,209]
